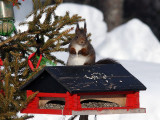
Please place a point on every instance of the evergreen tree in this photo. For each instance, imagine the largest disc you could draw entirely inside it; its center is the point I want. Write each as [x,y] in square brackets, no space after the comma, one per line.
[46,37]
[11,99]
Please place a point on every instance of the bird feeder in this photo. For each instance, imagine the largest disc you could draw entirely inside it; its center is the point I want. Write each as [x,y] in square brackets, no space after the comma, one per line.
[84,90]
[6,18]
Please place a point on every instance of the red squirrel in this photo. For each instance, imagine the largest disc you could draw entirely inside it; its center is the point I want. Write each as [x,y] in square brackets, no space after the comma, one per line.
[81,52]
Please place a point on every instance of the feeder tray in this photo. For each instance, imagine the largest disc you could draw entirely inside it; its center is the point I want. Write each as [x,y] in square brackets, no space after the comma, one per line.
[84,90]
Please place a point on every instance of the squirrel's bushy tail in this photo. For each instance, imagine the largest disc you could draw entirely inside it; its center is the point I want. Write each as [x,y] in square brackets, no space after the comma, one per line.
[107,61]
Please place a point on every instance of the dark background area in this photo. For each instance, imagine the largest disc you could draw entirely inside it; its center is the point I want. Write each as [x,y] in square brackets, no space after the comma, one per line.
[117,12]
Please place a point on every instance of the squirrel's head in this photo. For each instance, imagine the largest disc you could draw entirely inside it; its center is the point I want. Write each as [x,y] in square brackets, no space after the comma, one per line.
[80,36]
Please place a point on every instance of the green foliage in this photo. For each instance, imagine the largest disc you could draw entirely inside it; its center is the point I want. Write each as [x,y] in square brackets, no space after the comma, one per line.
[53,37]
[11,99]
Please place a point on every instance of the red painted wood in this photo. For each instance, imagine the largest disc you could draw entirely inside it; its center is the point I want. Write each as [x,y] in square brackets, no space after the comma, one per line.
[51,95]
[72,102]
[133,100]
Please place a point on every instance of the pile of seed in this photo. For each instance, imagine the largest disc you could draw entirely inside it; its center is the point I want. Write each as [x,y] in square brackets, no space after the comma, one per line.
[99,104]
[52,106]
[92,104]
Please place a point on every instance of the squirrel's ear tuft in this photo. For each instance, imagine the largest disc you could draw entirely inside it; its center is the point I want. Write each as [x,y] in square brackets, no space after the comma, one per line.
[77,28]
[85,27]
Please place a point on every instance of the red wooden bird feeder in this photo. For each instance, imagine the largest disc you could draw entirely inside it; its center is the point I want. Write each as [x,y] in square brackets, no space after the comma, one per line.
[84,90]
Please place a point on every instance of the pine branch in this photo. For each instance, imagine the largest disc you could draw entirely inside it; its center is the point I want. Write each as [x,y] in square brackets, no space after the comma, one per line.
[50,42]
[53,37]
[31,97]
[9,106]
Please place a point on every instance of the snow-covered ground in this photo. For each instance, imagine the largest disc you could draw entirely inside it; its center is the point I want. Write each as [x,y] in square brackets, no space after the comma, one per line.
[132,44]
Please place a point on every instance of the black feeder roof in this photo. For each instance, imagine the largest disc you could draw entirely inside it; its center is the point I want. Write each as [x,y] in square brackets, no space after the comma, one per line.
[83,79]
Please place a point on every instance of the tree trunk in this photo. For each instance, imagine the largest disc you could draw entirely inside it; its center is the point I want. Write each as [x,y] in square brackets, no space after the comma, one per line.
[113,12]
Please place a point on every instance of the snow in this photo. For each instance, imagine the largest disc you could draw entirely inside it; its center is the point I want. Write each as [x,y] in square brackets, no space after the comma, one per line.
[20,14]
[147,73]
[133,44]
[132,41]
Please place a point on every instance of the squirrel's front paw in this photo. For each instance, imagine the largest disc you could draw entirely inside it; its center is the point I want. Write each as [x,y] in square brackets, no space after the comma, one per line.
[83,52]
[72,51]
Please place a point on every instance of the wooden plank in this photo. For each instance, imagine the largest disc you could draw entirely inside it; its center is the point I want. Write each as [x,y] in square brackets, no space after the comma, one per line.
[51,95]
[108,111]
